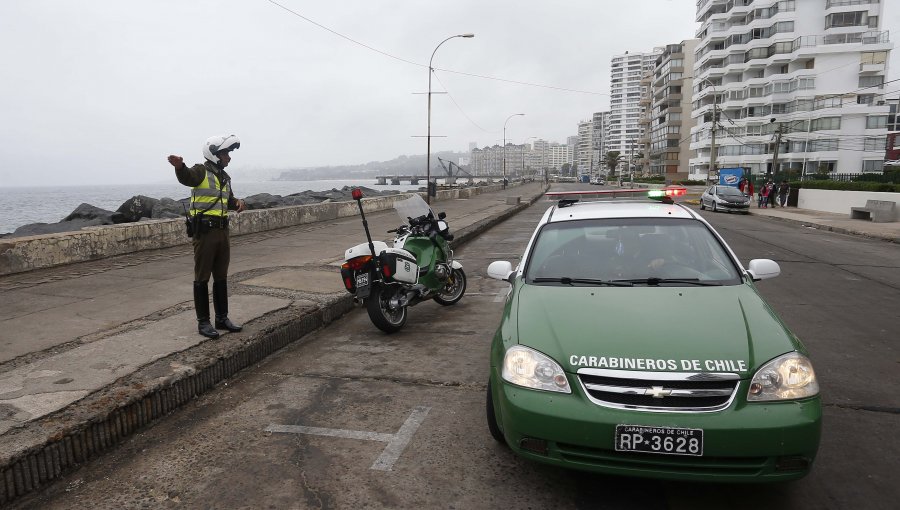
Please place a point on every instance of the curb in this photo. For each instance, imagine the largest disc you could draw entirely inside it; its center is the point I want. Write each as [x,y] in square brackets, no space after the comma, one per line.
[830,228]
[54,445]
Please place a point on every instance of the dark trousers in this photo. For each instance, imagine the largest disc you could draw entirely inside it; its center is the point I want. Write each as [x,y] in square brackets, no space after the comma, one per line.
[212,253]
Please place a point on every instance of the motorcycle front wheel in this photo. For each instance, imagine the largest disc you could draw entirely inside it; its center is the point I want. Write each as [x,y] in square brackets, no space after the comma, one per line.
[385,318]
[454,289]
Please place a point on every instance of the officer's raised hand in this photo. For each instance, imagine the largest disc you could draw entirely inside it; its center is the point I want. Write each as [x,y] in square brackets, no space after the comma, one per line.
[176,161]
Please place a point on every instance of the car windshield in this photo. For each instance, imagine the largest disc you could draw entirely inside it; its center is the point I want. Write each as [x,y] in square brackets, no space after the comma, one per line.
[728,190]
[652,251]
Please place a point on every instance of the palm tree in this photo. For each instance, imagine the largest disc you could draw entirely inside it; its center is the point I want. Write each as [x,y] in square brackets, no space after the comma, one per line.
[612,160]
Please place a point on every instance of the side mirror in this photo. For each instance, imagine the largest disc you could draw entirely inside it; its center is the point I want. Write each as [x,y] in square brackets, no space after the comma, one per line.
[500,270]
[763,269]
[442,215]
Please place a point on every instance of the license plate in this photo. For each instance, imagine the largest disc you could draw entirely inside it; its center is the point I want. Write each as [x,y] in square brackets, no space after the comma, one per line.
[664,440]
[362,285]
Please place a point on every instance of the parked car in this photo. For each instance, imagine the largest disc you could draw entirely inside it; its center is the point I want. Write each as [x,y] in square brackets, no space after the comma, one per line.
[725,198]
[598,181]
[634,342]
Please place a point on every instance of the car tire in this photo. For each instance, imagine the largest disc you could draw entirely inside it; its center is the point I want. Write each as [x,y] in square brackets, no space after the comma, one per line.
[702,207]
[714,208]
[493,426]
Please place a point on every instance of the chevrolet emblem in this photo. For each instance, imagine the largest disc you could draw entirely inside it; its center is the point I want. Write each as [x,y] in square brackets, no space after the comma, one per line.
[657,392]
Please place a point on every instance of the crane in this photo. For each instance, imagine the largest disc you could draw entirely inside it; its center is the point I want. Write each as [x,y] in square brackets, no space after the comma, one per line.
[450,171]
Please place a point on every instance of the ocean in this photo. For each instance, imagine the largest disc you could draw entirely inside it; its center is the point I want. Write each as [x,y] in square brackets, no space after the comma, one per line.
[49,204]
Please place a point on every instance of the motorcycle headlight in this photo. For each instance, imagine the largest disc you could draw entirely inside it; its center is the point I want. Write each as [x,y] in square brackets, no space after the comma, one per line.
[786,377]
[527,367]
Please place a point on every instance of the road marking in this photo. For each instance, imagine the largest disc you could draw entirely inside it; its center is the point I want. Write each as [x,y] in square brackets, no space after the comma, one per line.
[396,443]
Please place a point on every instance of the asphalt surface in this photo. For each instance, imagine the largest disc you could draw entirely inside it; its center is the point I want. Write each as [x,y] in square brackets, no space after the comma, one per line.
[82,342]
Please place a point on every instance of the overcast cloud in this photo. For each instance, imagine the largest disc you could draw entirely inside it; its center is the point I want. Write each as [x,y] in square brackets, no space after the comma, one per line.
[101,91]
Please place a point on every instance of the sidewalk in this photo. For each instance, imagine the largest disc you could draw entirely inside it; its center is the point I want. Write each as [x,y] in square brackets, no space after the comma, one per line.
[833,222]
[840,223]
[92,352]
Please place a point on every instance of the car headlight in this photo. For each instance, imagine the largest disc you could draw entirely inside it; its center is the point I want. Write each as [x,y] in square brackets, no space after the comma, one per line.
[532,369]
[786,377]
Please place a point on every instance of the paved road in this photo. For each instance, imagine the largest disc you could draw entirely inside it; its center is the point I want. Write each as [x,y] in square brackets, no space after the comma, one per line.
[405,413]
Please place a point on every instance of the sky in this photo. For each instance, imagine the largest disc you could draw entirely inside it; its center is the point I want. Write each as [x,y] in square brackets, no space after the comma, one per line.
[102,91]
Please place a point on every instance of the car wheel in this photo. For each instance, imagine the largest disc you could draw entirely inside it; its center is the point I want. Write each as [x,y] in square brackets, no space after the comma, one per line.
[493,426]
[702,207]
[714,208]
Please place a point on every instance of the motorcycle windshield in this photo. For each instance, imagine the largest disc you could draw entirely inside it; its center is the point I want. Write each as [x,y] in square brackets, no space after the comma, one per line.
[412,207]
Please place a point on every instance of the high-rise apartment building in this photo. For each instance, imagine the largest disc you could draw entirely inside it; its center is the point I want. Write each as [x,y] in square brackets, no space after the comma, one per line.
[600,124]
[584,150]
[626,72]
[805,75]
[669,121]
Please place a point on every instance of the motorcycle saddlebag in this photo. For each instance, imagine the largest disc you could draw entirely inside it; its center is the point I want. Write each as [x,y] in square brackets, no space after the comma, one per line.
[399,265]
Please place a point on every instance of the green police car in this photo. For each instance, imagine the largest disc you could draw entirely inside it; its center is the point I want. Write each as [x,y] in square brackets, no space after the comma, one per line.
[633,342]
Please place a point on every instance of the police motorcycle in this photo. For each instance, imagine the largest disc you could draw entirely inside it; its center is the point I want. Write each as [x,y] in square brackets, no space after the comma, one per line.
[418,267]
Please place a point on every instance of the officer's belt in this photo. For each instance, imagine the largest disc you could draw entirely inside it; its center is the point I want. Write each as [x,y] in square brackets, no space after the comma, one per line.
[213,222]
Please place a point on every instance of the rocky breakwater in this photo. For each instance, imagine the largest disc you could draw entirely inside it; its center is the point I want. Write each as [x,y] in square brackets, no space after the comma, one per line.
[142,208]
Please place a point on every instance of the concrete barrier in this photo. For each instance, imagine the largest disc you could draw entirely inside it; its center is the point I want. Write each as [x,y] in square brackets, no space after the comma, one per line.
[22,254]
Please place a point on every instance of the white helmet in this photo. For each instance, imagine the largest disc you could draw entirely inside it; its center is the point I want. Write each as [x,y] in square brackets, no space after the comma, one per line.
[216,144]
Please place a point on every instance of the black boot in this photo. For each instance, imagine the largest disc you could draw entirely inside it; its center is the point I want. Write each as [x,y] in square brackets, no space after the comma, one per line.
[201,305]
[220,301]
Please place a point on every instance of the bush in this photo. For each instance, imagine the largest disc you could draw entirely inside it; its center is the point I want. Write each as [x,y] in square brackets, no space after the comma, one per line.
[848,186]
[689,182]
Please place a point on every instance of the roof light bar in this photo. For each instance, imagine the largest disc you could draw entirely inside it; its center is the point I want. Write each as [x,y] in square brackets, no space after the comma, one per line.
[665,194]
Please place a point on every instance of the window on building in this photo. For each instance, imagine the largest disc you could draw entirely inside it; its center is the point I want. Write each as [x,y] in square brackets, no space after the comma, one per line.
[871,81]
[825,144]
[873,165]
[875,143]
[876,121]
[828,123]
[847,19]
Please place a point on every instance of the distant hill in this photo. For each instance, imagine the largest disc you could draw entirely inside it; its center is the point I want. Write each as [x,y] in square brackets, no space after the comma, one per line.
[402,165]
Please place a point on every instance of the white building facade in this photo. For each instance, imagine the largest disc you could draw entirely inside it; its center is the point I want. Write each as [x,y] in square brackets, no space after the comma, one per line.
[626,72]
[805,75]
[584,150]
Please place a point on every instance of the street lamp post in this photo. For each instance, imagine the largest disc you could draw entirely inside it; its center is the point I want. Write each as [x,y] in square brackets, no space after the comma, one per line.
[428,151]
[504,144]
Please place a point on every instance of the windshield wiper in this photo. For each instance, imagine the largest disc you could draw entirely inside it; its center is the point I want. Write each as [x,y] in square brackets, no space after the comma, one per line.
[657,281]
[565,280]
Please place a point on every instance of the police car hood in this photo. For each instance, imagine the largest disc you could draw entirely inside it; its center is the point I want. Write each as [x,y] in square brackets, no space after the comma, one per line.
[677,329]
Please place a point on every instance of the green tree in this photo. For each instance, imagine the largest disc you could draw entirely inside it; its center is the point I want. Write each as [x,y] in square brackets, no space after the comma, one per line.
[612,160]
[564,170]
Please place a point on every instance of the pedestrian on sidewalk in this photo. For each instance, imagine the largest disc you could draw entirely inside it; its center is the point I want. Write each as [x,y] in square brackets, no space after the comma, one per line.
[772,193]
[763,196]
[783,191]
[211,199]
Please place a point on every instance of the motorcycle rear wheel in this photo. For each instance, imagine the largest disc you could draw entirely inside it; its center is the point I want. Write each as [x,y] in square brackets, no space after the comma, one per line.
[383,317]
[454,289]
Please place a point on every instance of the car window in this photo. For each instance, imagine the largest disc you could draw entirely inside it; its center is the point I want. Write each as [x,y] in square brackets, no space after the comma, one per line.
[630,248]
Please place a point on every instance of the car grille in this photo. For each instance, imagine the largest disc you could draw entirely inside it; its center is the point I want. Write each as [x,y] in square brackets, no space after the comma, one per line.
[659,391]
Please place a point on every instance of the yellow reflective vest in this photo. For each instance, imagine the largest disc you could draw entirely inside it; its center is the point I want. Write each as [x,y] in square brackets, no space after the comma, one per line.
[210,197]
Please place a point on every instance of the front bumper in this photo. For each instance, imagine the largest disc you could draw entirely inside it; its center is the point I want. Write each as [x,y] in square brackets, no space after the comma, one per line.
[728,206]
[759,442]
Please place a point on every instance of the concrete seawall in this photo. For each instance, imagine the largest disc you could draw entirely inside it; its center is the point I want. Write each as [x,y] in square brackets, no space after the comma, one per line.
[22,254]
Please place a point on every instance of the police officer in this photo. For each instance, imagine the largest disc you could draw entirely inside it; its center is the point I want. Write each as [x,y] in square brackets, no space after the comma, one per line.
[211,199]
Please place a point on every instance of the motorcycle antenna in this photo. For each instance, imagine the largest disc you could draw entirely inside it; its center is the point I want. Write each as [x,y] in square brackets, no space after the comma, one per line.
[357,195]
